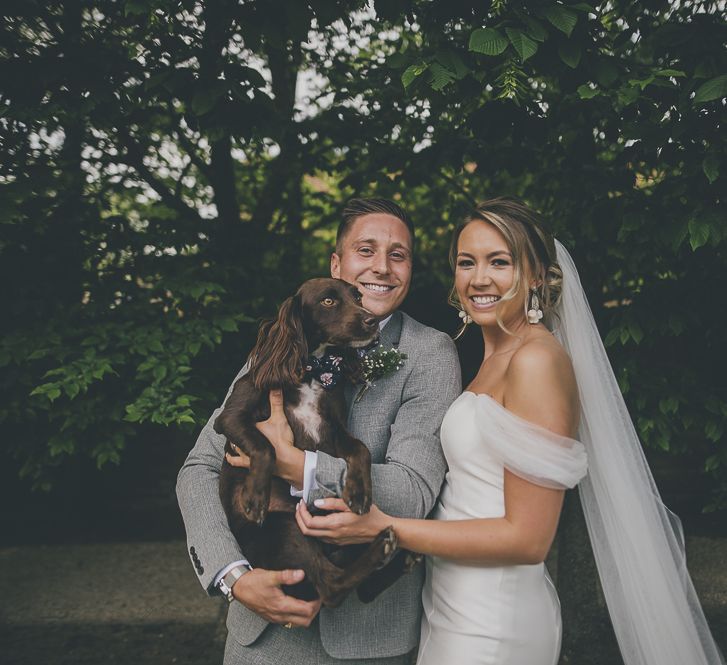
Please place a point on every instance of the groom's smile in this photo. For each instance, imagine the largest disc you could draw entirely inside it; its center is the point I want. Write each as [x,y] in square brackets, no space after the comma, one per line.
[376,256]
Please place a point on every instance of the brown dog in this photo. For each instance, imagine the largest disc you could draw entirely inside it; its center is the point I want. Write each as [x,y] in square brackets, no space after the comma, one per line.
[326,320]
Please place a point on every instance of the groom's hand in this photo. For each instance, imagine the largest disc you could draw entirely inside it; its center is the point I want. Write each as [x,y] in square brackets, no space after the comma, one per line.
[259,590]
[289,460]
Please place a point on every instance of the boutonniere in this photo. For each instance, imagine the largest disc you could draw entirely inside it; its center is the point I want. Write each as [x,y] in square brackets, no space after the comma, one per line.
[377,364]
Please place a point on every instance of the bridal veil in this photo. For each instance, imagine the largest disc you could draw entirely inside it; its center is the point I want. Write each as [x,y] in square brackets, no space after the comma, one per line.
[637,542]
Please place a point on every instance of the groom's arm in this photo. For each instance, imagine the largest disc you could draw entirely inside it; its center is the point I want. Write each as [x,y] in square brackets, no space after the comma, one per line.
[408,482]
[210,543]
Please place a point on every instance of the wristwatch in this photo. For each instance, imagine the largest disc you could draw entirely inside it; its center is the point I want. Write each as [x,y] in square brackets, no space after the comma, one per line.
[228,581]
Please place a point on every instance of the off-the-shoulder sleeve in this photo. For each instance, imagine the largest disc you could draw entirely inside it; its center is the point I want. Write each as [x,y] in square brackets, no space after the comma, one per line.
[528,450]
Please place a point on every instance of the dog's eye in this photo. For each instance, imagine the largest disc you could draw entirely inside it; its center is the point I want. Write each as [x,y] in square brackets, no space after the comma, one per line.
[328,302]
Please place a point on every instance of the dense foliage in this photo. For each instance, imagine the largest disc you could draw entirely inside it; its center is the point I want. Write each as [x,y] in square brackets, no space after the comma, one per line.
[172,169]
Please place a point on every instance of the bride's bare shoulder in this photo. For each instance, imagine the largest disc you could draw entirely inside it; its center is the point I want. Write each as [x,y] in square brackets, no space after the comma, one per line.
[541,354]
[540,385]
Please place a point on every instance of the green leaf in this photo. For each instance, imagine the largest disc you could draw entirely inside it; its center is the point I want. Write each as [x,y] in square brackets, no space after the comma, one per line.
[397,60]
[713,89]
[450,60]
[488,41]
[606,73]
[524,46]
[135,7]
[637,334]
[668,405]
[160,371]
[535,29]
[563,19]
[713,431]
[611,337]
[698,233]
[585,91]
[204,101]
[132,413]
[411,73]
[712,463]
[642,83]
[675,73]
[710,166]
[570,53]
[441,76]
[628,96]
[228,325]
[663,441]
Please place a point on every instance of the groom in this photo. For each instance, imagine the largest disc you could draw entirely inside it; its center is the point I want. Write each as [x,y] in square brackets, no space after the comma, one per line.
[398,419]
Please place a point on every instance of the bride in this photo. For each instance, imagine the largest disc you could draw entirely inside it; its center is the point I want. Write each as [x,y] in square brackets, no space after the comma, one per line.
[542,403]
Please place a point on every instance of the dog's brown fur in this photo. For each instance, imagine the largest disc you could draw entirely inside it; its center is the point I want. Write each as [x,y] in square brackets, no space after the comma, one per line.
[324,313]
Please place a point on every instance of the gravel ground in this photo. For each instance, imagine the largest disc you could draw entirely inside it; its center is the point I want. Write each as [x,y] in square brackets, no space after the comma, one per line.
[124,603]
[140,603]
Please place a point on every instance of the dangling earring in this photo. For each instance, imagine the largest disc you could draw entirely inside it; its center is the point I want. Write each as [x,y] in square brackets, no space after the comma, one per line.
[466,318]
[534,311]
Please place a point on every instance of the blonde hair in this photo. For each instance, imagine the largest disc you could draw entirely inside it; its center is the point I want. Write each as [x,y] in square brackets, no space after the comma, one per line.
[531,247]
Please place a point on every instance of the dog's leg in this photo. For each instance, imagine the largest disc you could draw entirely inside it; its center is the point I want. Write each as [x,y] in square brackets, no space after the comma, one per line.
[250,492]
[404,562]
[357,489]
[333,588]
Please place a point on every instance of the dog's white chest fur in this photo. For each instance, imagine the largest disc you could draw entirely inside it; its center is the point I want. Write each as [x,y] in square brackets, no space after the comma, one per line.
[307,412]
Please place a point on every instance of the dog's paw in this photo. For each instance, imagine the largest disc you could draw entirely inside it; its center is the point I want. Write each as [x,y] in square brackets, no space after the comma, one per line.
[411,560]
[388,543]
[255,501]
[357,495]
[253,511]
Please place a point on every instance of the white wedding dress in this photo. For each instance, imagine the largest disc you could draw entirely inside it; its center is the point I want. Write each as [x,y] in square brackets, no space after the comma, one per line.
[493,615]
[509,615]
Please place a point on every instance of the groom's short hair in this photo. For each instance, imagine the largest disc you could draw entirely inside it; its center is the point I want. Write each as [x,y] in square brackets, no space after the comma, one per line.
[356,208]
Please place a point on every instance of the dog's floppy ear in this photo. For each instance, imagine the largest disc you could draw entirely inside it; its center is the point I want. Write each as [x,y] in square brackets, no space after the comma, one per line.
[281,349]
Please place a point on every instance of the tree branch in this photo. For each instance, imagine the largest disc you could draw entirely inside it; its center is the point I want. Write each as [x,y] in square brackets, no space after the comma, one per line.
[135,159]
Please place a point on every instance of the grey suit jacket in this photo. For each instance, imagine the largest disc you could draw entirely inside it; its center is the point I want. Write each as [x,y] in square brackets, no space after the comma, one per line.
[398,419]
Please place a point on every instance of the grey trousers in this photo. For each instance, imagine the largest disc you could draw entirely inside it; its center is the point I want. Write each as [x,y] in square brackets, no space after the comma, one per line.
[296,646]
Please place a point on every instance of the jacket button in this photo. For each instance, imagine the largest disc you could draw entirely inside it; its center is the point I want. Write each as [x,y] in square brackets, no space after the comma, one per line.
[192,551]
[200,570]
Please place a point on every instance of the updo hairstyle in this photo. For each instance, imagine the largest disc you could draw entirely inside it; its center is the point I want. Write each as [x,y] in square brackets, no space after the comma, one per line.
[531,247]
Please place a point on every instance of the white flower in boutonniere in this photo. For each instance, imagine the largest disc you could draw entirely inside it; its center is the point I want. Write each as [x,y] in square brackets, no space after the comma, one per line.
[377,364]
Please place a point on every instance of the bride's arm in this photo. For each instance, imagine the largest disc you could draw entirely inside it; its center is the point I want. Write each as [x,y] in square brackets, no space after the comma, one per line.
[540,389]
[522,536]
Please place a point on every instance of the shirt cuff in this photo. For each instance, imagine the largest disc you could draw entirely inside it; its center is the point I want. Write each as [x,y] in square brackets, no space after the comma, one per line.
[309,476]
[227,569]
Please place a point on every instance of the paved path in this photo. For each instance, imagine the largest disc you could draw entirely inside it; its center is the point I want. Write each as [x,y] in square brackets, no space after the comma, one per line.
[137,603]
[140,604]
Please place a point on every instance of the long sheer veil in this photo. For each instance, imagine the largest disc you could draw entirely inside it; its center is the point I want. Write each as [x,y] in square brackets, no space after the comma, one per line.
[638,544]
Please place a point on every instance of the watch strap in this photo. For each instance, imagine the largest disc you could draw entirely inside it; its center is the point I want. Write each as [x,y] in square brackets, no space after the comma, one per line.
[228,581]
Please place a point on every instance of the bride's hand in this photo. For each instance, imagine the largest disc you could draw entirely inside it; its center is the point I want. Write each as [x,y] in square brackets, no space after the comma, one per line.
[341,527]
